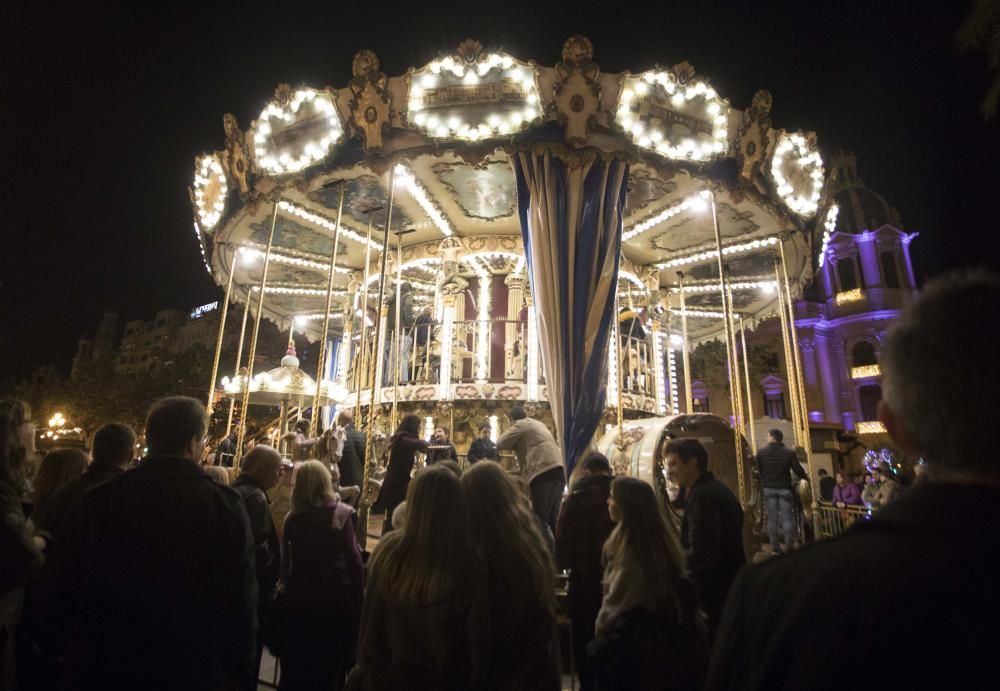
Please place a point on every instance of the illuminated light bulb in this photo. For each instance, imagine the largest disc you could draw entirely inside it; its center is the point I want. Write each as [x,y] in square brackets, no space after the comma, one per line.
[428,81]
[677,99]
[627,95]
[642,88]
[420,118]
[506,62]
[713,108]
[470,78]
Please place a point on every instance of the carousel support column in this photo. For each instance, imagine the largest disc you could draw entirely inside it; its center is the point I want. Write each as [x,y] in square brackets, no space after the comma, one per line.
[730,355]
[372,407]
[253,339]
[800,385]
[239,360]
[532,350]
[621,375]
[740,418]
[447,343]
[746,373]
[397,331]
[222,330]
[321,363]
[515,301]
[483,330]
[658,372]
[363,364]
[685,352]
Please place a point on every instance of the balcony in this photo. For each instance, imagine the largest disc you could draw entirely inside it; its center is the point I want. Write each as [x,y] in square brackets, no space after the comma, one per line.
[494,359]
[866,372]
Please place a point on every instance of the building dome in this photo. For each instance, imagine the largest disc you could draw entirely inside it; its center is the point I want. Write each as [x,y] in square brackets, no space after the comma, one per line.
[861,208]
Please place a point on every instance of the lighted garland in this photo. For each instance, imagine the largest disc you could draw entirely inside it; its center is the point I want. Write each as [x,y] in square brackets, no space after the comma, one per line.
[683,97]
[492,68]
[796,158]
[210,190]
[307,108]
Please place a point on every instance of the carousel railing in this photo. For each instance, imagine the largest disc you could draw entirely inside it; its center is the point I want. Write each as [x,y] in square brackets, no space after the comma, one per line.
[637,366]
[834,520]
[492,350]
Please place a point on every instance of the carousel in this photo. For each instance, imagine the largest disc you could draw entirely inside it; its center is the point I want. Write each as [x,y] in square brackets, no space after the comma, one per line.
[484,231]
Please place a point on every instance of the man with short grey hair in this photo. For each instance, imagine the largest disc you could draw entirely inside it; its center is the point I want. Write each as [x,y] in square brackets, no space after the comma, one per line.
[923,568]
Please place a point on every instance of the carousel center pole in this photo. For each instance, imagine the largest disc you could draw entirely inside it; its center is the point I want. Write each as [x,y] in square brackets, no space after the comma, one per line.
[372,406]
[321,364]
[253,339]
[222,329]
[621,375]
[790,375]
[685,355]
[730,356]
[239,357]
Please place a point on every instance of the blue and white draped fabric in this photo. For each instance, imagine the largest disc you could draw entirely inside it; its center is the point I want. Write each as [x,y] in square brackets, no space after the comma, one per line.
[571,224]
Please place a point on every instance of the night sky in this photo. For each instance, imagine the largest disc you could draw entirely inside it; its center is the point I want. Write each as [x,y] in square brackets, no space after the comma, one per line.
[105,106]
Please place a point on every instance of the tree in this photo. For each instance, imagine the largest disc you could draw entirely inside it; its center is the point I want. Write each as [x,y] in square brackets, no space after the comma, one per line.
[981,32]
[708,364]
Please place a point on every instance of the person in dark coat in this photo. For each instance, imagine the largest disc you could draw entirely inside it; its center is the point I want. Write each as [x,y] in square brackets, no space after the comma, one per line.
[352,460]
[445,450]
[45,619]
[163,570]
[321,573]
[925,567]
[777,462]
[226,451]
[424,625]
[712,529]
[483,448]
[20,546]
[403,447]
[583,527]
[826,485]
[524,643]
[260,472]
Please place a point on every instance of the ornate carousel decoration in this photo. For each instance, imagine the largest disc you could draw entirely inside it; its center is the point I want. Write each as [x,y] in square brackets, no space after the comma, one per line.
[485,231]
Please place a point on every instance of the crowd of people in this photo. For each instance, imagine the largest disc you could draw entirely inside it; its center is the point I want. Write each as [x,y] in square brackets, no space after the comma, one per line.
[119,574]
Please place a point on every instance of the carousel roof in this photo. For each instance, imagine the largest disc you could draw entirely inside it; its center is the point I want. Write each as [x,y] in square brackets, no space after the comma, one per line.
[447,130]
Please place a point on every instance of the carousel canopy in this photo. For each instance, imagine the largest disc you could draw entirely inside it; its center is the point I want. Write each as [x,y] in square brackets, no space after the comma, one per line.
[448,131]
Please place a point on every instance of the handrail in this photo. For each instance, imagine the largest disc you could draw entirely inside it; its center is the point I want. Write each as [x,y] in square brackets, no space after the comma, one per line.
[834,520]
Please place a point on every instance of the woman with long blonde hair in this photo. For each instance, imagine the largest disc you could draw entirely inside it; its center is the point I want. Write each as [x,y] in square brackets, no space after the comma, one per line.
[321,584]
[59,467]
[524,647]
[420,627]
[650,633]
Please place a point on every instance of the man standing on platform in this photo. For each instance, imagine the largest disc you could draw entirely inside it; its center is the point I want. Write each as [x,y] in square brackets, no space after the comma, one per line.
[541,465]
[441,448]
[352,459]
[712,530]
[483,447]
[777,462]
[826,485]
[923,568]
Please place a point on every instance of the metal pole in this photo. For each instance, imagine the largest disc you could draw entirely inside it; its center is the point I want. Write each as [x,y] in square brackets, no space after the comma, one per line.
[239,357]
[222,329]
[253,339]
[740,418]
[372,407]
[396,332]
[685,354]
[746,371]
[321,364]
[800,384]
[365,352]
[621,375]
[730,356]
[789,364]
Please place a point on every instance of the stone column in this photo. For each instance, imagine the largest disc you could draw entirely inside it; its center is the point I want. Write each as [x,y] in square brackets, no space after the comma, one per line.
[869,260]
[906,260]
[829,383]
[810,372]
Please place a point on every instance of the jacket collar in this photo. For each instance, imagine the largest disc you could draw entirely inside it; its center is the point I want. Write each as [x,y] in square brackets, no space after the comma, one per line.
[705,477]
[247,479]
[590,481]
[172,465]
[941,508]
[101,467]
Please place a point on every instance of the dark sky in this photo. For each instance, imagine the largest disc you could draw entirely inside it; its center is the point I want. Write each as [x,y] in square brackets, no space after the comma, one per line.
[105,106]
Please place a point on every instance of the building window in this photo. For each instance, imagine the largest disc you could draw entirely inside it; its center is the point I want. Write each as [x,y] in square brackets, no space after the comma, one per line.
[870,396]
[774,405]
[863,353]
[847,275]
[890,274]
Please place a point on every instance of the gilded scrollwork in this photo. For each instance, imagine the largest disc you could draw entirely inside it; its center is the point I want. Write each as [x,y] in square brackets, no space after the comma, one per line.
[236,156]
[755,140]
[371,102]
[577,90]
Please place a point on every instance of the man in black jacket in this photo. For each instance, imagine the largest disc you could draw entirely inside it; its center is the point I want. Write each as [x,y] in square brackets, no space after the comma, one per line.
[777,462]
[352,460]
[923,568]
[114,449]
[260,473]
[712,529]
[482,448]
[163,570]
